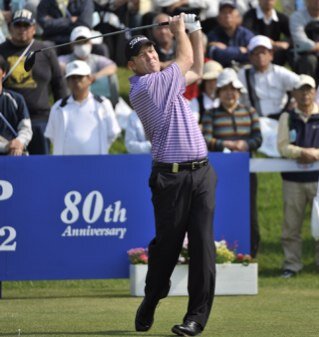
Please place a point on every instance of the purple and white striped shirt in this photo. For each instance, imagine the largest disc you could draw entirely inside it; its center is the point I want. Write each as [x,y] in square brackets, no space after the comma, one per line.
[166,116]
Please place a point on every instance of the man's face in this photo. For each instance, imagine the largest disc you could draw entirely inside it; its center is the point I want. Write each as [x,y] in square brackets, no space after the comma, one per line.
[22,33]
[267,4]
[260,58]
[304,96]
[79,84]
[162,34]
[228,17]
[146,61]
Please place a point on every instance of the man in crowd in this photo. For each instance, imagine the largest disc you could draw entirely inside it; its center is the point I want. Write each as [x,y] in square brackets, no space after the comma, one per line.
[305,35]
[227,43]
[35,86]
[266,20]
[298,139]
[81,123]
[267,84]
[182,181]
[15,124]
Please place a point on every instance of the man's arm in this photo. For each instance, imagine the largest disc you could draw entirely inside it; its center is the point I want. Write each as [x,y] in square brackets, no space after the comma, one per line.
[184,52]
[196,72]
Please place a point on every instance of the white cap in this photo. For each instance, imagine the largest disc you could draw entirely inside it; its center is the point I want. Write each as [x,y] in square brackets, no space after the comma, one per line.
[305,80]
[259,41]
[211,70]
[80,32]
[77,67]
[229,76]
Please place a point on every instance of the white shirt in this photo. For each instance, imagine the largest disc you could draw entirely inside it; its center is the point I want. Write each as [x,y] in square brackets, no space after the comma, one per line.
[89,127]
[271,88]
[135,140]
[82,133]
[261,15]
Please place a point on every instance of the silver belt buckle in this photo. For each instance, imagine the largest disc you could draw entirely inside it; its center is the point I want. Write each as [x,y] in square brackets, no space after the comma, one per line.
[175,168]
[194,163]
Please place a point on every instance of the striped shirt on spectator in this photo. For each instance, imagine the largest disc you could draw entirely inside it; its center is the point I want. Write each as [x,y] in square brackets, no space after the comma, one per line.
[166,116]
[220,125]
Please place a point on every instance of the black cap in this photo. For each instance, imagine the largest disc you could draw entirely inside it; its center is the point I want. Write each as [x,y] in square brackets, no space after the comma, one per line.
[23,15]
[228,3]
[134,45]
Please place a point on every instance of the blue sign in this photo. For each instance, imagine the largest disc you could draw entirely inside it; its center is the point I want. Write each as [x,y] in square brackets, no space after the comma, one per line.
[75,217]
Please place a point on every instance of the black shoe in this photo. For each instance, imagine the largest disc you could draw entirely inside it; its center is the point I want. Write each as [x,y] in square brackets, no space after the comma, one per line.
[188,328]
[145,316]
[288,273]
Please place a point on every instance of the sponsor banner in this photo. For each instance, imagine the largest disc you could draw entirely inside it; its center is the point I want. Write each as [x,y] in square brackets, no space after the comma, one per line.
[75,217]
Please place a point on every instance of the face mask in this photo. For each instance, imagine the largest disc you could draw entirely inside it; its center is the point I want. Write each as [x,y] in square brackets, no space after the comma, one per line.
[82,51]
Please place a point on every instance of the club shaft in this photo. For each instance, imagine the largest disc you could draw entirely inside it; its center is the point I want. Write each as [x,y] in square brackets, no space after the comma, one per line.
[105,35]
[8,125]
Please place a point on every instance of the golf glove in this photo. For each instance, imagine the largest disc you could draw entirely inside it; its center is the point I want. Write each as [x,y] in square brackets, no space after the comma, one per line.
[191,24]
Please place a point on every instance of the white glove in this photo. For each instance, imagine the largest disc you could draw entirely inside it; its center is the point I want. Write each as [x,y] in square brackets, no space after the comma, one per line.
[191,24]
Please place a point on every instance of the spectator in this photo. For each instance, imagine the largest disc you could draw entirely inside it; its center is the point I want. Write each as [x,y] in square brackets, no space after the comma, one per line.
[267,84]
[204,8]
[15,124]
[207,99]
[36,85]
[135,139]
[266,20]
[81,123]
[227,43]
[234,127]
[164,41]
[103,69]
[298,139]
[57,18]
[304,33]
[114,15]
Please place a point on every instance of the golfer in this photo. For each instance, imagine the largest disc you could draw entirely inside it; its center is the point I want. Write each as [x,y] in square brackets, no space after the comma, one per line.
[182,181]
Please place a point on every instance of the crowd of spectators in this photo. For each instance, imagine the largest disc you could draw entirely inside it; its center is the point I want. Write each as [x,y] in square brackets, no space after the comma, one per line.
[257,53]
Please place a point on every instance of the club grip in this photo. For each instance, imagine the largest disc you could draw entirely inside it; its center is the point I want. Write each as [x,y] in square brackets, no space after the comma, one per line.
[166,23]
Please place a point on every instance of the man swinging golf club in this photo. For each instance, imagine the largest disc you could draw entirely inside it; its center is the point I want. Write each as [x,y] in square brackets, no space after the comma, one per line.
[182,180]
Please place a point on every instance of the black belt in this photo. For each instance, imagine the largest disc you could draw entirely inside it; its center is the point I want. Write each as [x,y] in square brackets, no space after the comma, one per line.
[177,167]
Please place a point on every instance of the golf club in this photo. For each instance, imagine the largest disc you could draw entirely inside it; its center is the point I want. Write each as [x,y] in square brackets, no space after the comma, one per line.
[9,126]
[30,58]
[18,61]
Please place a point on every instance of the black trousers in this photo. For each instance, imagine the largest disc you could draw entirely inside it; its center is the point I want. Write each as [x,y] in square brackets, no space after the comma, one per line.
[183,202]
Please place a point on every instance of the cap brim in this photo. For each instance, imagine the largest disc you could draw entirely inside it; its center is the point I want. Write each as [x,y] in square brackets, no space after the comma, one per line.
[76,73]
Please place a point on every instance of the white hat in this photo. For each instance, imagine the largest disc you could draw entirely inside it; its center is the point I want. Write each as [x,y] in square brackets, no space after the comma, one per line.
[211,70]
[77,67]
[80,31]
[305,80]
[229,76]
[259,41]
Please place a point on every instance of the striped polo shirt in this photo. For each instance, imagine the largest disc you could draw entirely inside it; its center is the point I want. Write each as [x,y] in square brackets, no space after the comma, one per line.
[243,124]
[166,116]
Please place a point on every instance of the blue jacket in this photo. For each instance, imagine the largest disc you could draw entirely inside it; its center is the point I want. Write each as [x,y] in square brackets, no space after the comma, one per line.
[307,136]
[58,28]
[241,38]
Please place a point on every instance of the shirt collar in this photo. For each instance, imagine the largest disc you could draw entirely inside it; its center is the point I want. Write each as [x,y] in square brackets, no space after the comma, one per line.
[261,15]
[72,100]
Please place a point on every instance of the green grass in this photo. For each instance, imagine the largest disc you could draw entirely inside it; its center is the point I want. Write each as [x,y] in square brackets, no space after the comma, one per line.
[283,308]
[93,308]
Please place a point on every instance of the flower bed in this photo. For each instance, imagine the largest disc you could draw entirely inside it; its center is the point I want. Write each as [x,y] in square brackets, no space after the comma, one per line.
[236,274]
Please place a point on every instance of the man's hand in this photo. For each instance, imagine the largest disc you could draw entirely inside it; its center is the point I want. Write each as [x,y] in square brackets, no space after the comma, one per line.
[308,156]
[15,147]
[191,24]
[217,44]
[242,146]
